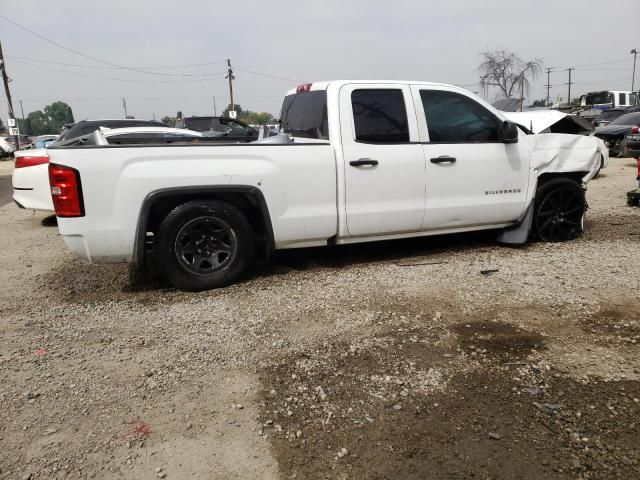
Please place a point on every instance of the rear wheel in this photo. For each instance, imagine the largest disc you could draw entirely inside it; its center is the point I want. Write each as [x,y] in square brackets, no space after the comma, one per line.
[204,244]
[559,210]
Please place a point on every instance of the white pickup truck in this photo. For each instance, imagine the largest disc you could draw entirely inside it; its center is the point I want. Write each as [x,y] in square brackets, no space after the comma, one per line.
[356,161]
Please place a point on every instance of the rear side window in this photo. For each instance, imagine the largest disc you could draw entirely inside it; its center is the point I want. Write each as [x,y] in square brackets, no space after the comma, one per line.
[623,98]
[380,116]
[305,115]
[455,118]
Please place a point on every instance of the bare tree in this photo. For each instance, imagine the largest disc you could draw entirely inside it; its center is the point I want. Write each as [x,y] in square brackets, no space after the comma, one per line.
[507,71]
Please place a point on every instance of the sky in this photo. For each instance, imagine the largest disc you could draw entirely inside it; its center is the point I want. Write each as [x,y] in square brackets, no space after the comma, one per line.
[163,56]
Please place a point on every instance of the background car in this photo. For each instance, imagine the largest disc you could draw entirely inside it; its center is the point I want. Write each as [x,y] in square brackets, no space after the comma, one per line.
[85,127]
[8,143]
[615,133]
[608,116]
[41,142]
[31,173]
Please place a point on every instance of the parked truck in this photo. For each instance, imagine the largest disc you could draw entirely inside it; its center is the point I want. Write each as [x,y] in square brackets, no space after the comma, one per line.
[356,161]
[593,104]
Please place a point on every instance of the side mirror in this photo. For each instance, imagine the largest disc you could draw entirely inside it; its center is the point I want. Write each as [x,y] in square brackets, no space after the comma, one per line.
[509,132]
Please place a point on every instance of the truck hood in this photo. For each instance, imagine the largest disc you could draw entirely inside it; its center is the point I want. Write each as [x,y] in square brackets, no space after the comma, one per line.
[552,120]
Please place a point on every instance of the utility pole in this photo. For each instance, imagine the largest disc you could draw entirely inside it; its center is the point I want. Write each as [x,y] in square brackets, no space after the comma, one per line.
[548,85]
[633,78]
[230,76]
[5,80]
[124,105]
[22,111]
[215,113]
[569,83]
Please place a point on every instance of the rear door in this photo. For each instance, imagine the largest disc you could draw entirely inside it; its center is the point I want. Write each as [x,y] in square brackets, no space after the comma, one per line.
[384,170]
[473,178]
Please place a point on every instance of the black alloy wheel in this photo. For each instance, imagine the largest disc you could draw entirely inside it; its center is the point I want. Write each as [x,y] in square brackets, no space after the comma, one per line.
[559,210]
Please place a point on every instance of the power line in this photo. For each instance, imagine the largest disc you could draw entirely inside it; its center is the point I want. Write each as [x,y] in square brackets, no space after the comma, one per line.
[271,76]
[626,60]
[163,97]
[221,75]
[77,52]
[32,60]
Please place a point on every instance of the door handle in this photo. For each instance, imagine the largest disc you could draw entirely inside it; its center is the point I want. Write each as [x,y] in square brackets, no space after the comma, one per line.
[361,162]
[443,159]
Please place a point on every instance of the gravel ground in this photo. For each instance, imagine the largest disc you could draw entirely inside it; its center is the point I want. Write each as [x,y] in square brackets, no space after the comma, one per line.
[389,360]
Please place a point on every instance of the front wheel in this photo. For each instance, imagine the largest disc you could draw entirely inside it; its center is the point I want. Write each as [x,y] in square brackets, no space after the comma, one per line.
[559,210]
[204,244]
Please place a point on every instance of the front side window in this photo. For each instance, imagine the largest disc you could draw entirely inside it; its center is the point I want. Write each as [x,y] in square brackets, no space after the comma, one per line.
[455,118]
[380,116]
[623,98]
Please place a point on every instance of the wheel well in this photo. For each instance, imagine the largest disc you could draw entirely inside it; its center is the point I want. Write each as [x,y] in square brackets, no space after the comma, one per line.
[249,203]
[575,176]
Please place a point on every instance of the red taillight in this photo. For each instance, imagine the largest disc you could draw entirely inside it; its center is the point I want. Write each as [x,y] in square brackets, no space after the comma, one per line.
[28,161]
[66,191]
[635,130]
[303,88]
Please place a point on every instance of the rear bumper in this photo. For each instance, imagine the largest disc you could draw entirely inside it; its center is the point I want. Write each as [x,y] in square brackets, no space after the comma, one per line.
[31,188]
[94,243]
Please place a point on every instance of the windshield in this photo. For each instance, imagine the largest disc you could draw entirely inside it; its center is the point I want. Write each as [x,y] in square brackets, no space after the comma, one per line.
[598,98]
[305,115]
[627,119]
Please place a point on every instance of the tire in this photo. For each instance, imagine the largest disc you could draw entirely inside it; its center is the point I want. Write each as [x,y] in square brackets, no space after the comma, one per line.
[204,244]
[559,210]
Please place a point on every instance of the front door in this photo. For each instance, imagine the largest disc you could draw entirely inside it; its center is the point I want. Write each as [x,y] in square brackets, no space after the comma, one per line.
[384,169]
[473,178]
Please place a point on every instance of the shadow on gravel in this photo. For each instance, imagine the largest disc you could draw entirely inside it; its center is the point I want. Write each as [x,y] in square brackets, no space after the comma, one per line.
[50,221]
[373,252]
[351,413]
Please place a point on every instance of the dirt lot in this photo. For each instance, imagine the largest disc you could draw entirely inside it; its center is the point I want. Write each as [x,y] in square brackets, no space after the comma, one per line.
[396,360]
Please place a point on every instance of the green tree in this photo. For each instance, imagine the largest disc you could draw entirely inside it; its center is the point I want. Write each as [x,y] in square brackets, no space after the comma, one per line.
[171,121]
[25,126]
[57,115]
[257,118]
[252,118]
[39,124]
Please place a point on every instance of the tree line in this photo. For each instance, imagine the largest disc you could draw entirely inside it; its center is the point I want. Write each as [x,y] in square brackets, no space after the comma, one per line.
[49,121]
